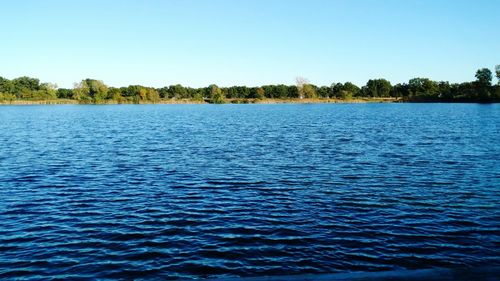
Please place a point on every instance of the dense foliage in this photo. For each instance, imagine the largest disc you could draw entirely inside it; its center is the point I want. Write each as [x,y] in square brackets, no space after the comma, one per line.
[417,89]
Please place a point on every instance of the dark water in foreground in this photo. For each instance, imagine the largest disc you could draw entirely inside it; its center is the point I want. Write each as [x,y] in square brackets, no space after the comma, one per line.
[186,191]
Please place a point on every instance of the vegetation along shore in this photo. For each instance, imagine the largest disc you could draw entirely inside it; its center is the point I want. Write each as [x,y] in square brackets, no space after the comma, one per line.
[27,90]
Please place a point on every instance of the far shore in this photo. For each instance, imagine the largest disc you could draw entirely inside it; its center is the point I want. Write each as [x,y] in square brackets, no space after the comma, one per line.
[190,101]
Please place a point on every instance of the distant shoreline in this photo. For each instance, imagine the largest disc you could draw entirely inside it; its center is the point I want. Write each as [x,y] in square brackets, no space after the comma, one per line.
[29,91]
[190,101]
[237,101]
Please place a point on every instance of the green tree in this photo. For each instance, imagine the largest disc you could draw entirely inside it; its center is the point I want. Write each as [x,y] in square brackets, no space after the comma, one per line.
[324,92]
[445,91]
[143,94]
[138,93]
[198,96]
[423,88]
[484,77]
[90,90]
[50,89]
[177,92]
[269,91]
[400,90]
[305,89]
[216,95]
[497,72]
[483,82]
[232,92]
[32,84]
[132,91]
[465,91]
[115,94]
[335,90]
[64,93]
[346,95]
[164,92]
[24,87]
[152,95]
[293,92]
[496,93]
[377,88]
[7,97]
[260,93]
[6,86]
[281,91]
[309,91]
[349,90]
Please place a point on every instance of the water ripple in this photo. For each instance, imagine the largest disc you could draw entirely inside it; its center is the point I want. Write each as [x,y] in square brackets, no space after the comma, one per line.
[197,191]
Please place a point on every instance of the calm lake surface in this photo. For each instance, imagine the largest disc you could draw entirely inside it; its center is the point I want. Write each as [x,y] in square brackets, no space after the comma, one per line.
[193,191]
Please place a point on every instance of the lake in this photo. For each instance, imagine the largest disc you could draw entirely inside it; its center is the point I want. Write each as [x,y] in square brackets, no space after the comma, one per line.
[198,191]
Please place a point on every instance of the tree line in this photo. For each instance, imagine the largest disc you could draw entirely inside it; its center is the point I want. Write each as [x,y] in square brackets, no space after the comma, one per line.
[416,90]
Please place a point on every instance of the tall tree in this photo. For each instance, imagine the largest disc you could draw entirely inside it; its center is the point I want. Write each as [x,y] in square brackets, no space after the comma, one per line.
[28,83]
[324,92]
[377,88]
[6,86]
[216,95]
[177,91]
[152,95]
[335,89]
[115,94]
[281,91]
[260,93]
[348,90]
[400,90]
[90,90]
[24,87]
[422,88]
[309,91]
[497,72]
[484,77]
[48,91]
[64,93]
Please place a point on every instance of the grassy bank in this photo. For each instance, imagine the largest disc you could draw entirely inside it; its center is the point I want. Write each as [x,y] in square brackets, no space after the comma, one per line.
[327,100]
[192,101]
[32,102]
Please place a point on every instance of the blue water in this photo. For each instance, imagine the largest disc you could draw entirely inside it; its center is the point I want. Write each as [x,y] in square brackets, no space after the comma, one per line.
[194,191]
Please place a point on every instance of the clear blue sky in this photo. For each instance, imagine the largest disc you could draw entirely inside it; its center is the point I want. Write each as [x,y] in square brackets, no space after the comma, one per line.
[252,42]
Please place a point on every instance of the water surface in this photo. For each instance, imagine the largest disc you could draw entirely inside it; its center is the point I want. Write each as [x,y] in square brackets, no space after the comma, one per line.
[195,191]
